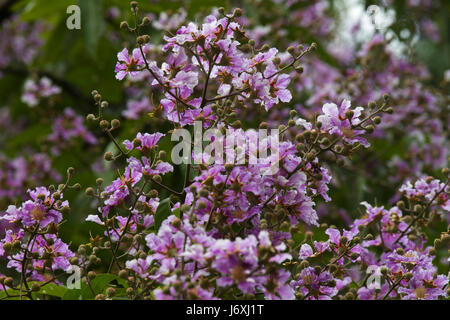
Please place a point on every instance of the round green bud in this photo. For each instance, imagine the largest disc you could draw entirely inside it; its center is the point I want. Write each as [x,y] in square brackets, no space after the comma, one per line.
[65,210]
[89,191]
[104,124]
[203,193]
[377,120]
[153,193]
[304,264]
[263,125]
[349,114]
[369,128]
[123,274]
[349,296]
[146,21]
[115,123]
[9,282]
[124,25]
[91,275]
[201,205]
[35,287]
[110,292]
[237,12]
[108,156]
[299,69]
[81,250]
[97,97]
[93,258]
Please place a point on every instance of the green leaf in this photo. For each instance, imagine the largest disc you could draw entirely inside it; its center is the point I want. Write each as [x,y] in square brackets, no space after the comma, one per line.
[74,294]
[162,212]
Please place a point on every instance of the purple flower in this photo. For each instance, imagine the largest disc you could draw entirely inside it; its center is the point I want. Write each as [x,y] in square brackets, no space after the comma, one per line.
[128,64]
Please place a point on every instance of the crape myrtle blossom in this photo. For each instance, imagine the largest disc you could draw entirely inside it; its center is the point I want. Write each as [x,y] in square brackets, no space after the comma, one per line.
[336,120]
[200,57]
[42,208]
[119,190]
[44,250]
[128,64]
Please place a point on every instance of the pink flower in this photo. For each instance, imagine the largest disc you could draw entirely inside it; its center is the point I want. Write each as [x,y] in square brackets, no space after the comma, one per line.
[128,64]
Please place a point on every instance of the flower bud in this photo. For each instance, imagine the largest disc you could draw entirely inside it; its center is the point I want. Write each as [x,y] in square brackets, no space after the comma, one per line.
[349,114]
[418,208]
[237,12]
[108,156]
[369,237]
[185,208]
[110,292]
[369,128]
[401,205]
[35,287]
[91,275]
[123,274]
[97,97]
[304,264]
[201,205]
[9,282]
[115,123]
[349,296]
[89,191]
[299,69]
[104,124]
[124,25]
[377,120]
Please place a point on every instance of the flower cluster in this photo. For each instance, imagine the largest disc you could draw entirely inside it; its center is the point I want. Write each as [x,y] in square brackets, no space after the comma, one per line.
[35,91]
